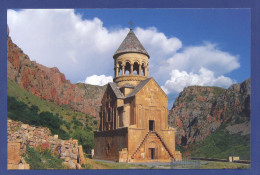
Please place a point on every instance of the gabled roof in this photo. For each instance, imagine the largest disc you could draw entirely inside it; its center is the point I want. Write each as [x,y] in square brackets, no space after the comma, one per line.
[131,44]
[138,87]
[120,95]
[116,90]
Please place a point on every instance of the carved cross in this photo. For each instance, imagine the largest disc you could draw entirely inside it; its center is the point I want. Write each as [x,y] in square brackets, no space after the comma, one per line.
[131,25]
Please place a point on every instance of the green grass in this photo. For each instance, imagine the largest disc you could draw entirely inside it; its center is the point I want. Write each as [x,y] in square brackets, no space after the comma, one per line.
[63,120]
[223,165]
[19,111]
[42,159]
[221,144]
[203,165]
[189,98]
[14,90]
[108,165]
[218,90]
[214,165]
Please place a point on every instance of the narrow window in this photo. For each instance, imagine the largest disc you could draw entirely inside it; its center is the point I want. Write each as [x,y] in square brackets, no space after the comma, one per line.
[151,125]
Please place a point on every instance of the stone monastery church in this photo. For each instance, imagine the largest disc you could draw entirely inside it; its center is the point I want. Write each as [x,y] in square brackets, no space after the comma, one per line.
[134,112]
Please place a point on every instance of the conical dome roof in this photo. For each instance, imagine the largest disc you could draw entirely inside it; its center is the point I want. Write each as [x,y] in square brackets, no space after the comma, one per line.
[131,44]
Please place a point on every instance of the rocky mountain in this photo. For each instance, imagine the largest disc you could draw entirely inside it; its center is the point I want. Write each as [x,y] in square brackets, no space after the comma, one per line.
[199,111]
[50,84]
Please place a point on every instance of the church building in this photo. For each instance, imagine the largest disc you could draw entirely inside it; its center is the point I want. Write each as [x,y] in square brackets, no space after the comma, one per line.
[134,112]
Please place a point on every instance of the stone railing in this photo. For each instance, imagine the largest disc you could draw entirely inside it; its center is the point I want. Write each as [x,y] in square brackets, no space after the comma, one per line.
[20,135]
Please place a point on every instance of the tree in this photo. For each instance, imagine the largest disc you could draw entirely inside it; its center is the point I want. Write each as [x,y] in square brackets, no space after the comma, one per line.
[85,138]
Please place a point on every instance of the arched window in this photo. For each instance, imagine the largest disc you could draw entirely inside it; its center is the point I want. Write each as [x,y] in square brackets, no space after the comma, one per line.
[136,68]
[120,69]
[127,68]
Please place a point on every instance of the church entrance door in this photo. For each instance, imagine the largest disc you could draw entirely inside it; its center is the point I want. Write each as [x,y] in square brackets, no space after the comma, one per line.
[152,153]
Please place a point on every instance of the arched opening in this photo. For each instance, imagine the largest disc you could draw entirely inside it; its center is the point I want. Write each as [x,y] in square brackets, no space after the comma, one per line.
[127,68]
[120,69]
[136,68]
[152,151]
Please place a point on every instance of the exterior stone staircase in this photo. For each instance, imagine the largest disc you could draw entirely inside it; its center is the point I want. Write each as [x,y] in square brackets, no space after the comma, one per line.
[144,139]
[164,144]
[138,148]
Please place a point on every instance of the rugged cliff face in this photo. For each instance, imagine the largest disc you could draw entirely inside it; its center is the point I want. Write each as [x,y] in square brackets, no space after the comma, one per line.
[199,111]
[50,84]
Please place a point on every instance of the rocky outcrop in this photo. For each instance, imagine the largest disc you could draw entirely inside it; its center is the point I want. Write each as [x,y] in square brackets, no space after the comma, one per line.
[199,111]
[50,84]
[21,135]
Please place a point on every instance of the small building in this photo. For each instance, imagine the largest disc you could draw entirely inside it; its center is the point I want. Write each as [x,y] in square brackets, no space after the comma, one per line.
[134,112]
[233,158]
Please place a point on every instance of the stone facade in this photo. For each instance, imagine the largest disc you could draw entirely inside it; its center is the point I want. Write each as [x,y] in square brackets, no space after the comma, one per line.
[20,135]
[134,112]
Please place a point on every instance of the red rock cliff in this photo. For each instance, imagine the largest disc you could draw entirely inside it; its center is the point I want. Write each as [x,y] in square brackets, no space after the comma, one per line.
[199,111]
[50,84]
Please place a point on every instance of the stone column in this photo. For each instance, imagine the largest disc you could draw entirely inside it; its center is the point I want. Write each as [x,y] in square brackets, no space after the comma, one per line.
[132,69]
[112,115]
[123,69]
[147,71]
[117,118]
[116,71]
[135,115]
[102,121]
[140,70]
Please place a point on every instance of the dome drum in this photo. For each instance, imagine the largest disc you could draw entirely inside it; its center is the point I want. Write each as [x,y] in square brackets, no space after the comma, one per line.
[131,62]
[133,80]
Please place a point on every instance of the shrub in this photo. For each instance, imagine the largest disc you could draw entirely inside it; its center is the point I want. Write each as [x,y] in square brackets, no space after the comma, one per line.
[95,122]
[42,159]
[18,110]
[85,138]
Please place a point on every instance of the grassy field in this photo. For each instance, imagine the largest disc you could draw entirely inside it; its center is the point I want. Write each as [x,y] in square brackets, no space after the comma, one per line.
[39,159]
[221,144]
[223,165]
[93,164]
[14,90]
[70,123]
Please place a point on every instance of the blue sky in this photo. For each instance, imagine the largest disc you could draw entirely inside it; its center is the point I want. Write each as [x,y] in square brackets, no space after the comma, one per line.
[230,28]
[187,46]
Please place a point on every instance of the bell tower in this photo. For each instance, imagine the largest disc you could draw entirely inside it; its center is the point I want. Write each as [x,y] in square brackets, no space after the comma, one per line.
[130,62]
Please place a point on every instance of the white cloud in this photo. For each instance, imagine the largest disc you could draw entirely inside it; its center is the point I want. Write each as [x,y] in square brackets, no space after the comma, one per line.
[78,47]
[193,58]
[99,80]
[159,47]
[204,77]
[83,48]
[157,43]
[203,65]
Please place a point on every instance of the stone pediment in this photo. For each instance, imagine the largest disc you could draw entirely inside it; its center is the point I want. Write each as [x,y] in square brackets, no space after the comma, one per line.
[136,90]
[145,83]
[151,140]
[116,90]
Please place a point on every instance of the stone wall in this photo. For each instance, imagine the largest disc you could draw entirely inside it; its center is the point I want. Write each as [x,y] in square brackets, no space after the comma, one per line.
[15,160]
[108,145]
[22,135]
